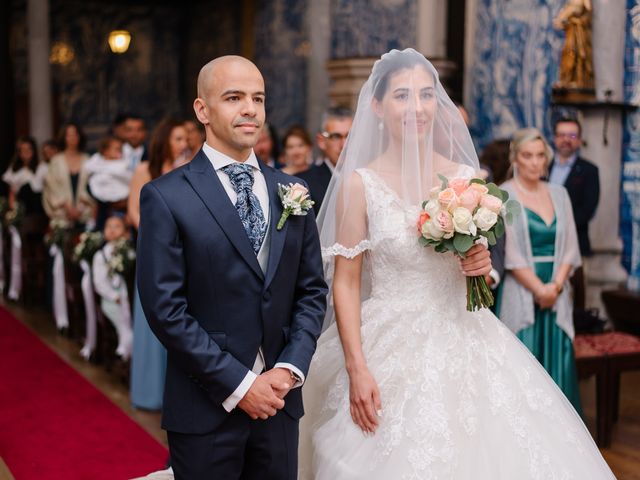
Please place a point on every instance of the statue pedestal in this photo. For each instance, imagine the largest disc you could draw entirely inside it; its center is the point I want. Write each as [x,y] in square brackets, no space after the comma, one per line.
[561,94]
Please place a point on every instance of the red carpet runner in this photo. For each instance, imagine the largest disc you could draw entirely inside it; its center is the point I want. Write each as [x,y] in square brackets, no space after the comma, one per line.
[56,425]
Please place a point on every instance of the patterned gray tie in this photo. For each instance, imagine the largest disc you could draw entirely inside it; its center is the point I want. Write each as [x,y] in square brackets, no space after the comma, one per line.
[247,204]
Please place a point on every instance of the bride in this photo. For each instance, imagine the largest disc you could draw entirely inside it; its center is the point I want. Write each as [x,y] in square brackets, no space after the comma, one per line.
[405,383]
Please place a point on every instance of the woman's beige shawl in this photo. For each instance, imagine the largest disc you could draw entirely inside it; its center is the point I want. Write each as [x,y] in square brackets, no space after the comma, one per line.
[517,305]
[57,190]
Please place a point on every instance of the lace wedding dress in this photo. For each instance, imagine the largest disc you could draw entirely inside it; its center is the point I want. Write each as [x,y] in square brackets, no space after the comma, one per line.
[462,398]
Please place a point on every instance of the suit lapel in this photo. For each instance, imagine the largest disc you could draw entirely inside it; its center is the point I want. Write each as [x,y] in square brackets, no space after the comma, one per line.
[204,180]
[277,237]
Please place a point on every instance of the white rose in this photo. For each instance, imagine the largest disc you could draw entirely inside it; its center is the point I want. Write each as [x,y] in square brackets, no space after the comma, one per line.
[431,230]
[432,207]
[463,222]
[485,218]
[482,241]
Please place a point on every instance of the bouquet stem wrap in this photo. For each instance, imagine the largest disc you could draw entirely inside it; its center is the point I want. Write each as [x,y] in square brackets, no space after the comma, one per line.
[478,294]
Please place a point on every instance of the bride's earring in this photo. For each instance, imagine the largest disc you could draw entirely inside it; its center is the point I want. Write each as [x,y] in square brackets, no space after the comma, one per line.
[380,126]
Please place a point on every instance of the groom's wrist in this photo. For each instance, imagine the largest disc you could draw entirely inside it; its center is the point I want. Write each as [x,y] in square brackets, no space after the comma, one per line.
[297,377]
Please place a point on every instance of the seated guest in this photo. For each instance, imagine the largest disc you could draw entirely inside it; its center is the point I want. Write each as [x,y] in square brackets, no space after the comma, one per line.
[112,287]
[336,123]
[541,253]
[297,151]
[266,149]
[25,177]
[109,179]
[65,196]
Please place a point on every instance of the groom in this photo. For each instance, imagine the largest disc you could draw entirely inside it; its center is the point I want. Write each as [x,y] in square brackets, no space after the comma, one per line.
[237,303]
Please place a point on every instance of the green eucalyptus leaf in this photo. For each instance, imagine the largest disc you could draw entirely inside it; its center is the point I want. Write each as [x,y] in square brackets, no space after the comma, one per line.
[498,230]
[445,181]
[462,243]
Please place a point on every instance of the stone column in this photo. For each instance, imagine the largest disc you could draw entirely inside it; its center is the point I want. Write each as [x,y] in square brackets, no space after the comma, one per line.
[40,104]
[431,28]
[470,22]
[348,75]
[431,36]
[604,270]
[319,25]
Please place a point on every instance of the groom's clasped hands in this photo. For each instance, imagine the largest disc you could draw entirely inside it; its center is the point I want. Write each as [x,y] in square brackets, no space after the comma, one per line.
[266,395]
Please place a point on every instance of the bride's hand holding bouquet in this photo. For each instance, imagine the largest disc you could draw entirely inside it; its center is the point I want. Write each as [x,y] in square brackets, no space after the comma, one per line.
[465,216]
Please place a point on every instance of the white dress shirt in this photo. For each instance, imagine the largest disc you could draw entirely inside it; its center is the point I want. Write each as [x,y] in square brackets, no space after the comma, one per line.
[133,155]
[219,161]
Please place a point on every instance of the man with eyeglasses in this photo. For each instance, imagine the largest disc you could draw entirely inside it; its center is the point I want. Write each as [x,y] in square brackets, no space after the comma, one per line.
[580,178]
[336,123]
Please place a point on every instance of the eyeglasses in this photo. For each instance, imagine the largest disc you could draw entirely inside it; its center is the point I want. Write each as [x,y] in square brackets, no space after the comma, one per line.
[334,135]
[572,136]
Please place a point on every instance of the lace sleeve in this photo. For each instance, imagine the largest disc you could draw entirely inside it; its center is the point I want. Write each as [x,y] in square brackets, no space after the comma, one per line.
[340,250]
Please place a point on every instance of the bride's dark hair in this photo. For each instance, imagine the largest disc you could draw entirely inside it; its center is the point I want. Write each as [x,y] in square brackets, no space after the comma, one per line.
[393,62]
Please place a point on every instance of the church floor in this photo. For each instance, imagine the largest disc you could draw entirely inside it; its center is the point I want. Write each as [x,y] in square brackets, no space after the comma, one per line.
[623,456]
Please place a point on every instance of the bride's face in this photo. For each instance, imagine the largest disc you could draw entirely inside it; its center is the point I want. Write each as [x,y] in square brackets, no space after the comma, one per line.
[409,104]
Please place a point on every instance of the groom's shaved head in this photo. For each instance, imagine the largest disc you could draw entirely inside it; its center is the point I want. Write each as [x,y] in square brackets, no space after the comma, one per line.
[230,105]
[217,67]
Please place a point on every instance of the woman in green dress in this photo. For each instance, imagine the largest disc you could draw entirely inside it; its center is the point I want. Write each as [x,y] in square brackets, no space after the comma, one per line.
[541,253]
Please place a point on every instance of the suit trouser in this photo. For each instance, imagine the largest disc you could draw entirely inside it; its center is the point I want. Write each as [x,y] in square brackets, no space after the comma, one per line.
[239,448]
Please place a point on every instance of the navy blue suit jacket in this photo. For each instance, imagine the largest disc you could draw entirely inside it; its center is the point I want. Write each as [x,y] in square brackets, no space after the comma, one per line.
[209,303]
[318,178]
[583,187]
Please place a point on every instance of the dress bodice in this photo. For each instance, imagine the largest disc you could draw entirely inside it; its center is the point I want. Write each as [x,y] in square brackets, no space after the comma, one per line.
[398,265]
[541,235]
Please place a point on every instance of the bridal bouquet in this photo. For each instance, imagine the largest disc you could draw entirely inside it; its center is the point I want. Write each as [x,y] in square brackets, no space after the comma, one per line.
[56,233]
[123,259]
[14,216]
[461,213]
[88,244]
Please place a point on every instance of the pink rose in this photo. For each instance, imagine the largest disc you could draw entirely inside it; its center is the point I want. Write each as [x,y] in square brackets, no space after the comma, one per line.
[448,199]
[424,217]
[445,222]
[491,203]
[482,189]
[298,192]
[459,185]
[469,199]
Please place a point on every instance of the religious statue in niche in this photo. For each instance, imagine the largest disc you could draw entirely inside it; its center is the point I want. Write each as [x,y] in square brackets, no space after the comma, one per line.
[576,62]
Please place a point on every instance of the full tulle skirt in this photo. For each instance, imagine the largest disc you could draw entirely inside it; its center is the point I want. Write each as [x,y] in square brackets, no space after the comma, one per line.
[462,398]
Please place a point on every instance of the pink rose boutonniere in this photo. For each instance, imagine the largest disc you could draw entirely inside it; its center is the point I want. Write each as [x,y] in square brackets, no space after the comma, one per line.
[295,200]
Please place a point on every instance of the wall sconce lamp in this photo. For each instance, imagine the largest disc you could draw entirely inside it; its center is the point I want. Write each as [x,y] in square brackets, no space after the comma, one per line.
[119,41]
